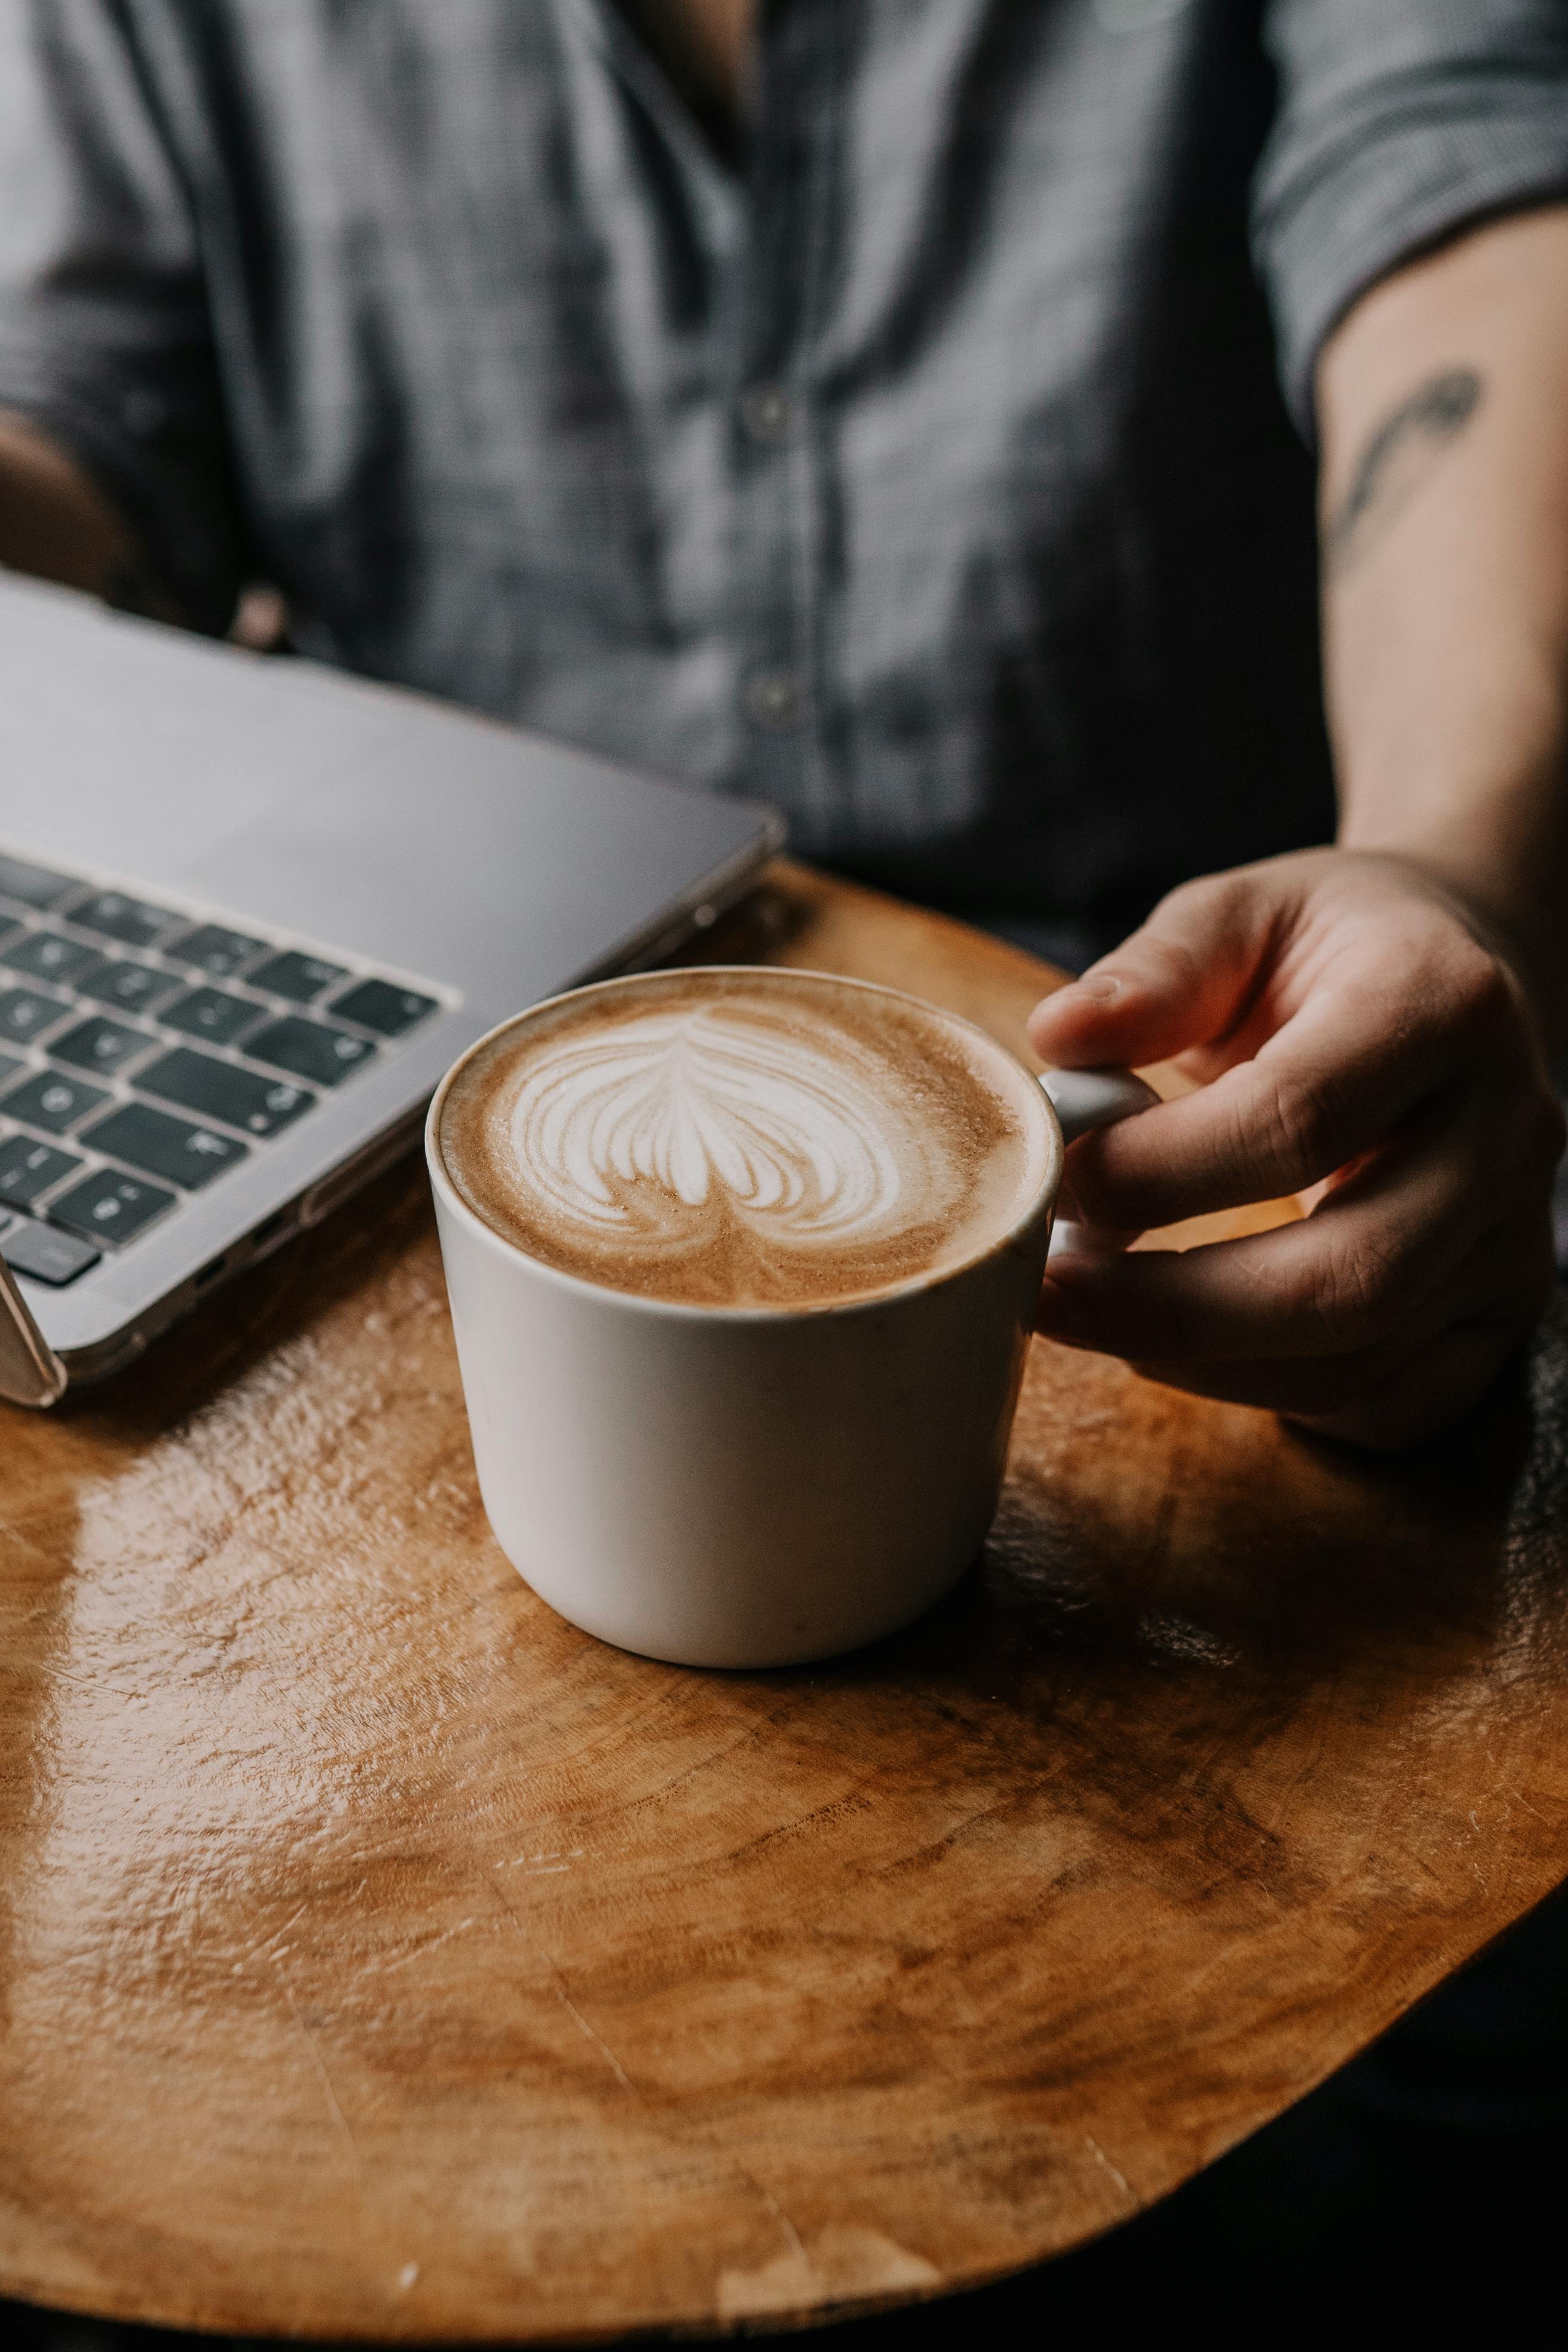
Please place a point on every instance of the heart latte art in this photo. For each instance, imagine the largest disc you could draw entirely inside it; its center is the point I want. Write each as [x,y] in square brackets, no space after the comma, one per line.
[751,1140]
[682,1111]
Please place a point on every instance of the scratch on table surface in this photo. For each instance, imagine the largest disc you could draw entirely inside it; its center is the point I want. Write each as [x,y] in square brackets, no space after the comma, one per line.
[421,1949]
[776,2209]
[598,2041]
[713,2147]
[82,1681]
[298,1913]
[569,2005]
[325,2079]
[264,1943]
[1106,2166]
[1476,1873]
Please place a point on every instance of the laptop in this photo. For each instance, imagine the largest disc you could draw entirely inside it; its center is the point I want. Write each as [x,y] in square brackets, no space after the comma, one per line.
[250,910]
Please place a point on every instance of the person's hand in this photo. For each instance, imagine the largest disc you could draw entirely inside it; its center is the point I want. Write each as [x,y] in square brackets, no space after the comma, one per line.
[1364,1046]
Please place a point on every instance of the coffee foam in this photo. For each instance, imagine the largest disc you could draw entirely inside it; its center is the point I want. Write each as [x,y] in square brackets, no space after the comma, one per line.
[743,1138]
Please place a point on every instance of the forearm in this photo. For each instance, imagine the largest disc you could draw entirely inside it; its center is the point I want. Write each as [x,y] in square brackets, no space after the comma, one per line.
[1444,407]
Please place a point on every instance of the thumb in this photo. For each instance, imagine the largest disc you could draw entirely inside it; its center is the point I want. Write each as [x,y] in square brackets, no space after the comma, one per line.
[1181,981]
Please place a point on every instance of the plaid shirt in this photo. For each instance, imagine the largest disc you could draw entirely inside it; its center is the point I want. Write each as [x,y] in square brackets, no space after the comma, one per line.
[923,468]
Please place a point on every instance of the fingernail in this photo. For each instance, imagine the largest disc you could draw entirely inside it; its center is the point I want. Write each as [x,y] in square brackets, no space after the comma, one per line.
[1097,984]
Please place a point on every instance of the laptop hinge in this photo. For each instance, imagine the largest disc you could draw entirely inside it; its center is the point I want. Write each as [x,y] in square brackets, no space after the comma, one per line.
[30,1372]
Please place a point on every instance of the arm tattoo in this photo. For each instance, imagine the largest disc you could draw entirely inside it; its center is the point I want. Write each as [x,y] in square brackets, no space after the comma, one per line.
[1395,462]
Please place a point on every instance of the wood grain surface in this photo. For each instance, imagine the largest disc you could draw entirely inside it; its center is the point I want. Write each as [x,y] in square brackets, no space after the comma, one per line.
[381,1958]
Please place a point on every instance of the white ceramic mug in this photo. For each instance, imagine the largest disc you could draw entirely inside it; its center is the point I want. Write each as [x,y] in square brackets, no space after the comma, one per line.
[748,1486]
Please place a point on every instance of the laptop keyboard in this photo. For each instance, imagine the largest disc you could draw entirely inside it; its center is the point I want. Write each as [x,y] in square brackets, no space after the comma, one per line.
[144,1052]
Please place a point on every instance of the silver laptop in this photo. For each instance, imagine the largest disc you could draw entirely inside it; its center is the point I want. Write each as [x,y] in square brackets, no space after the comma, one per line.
[250,910]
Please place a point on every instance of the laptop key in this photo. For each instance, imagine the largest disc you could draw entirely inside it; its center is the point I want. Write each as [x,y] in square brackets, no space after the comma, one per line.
[100,1044]
[311,1049]
[35,885]
[377,1005]
[27,1169]
[119,917]
[9,1066]
[109,1207]
[25,1015]
[132,987]
[217,952]
[212,1013]
[44,955]
[240,1098]
[300,977]
[53,1102]
[189,1156]
[45,1254]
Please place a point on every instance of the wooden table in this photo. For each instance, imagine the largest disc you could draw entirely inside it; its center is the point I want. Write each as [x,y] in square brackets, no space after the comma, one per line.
[383,1959]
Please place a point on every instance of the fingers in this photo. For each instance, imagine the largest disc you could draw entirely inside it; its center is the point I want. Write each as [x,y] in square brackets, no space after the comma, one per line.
[1179,981]
[1359,1269]
[1404,1388]
[1366,1047]
[1495,1286]
[1394,1406]
[1324,996]
[1417,1377]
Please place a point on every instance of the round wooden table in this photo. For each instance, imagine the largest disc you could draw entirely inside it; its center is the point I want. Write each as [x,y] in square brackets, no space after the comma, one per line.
[383,1959]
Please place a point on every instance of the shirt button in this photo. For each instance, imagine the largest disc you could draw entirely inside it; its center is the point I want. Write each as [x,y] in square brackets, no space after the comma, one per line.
[768,413]
[773,698]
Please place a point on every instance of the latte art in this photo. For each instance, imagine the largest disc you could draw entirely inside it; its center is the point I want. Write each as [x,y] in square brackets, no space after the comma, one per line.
[702,1106]
[743,1138]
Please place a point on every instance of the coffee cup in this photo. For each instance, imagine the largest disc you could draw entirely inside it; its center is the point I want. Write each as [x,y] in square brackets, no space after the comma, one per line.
[742,1265]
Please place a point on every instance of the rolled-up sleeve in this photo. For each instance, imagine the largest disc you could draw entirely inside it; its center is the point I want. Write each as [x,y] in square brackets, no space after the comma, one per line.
[104,337]
[1399,121]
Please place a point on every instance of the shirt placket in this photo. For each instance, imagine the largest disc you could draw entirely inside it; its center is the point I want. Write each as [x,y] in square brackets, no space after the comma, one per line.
[780,445]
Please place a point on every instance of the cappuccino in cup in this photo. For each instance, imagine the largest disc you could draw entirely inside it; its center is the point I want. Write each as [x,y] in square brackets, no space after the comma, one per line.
[743,1265]
[739,1139]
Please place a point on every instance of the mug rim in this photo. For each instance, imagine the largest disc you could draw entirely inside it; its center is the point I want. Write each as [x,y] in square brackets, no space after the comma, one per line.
[1041,1202]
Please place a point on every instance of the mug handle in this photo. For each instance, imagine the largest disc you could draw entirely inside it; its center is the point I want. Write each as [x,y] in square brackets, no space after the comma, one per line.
[1085,1100]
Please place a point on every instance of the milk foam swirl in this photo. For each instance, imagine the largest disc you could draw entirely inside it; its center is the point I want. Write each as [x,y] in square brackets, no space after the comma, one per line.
[727,1137]
[702,1109]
